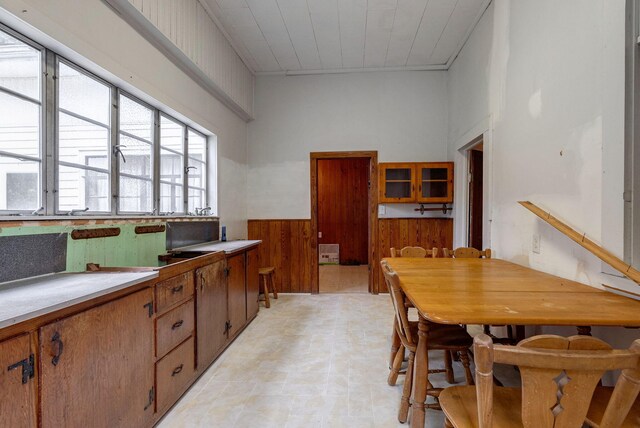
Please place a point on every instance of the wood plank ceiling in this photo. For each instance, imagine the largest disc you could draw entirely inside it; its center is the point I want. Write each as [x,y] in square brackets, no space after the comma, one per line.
[301,36]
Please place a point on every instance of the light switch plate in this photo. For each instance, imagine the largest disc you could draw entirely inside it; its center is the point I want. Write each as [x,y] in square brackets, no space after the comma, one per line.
[535,243]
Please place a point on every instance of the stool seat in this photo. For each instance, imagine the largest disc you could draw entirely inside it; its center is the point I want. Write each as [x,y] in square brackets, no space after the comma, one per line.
[267,282]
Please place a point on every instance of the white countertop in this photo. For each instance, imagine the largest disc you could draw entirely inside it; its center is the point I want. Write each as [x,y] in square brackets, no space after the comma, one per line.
[215,246]
[29,298]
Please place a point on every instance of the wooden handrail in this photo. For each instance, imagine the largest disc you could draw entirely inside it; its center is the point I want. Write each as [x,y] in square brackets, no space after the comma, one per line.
[586,243]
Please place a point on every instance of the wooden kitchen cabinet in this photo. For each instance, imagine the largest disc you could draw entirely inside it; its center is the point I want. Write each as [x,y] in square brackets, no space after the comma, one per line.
[435,182]
[96,366]
[211,323]
[253,283]
[397,182]
[417,182]
[237,294]
[17,382]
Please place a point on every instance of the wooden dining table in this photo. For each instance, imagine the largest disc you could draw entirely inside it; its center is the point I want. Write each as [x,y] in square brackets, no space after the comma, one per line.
[497,292]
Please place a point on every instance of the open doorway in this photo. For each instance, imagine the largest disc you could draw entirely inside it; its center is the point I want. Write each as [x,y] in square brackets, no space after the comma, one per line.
[476,159]
[343,220]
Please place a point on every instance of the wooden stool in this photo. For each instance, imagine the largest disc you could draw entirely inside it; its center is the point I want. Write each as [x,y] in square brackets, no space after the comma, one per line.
[267,277]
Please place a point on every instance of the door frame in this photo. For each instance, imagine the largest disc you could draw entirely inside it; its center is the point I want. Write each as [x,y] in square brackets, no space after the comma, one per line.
[314,157]
[482,131]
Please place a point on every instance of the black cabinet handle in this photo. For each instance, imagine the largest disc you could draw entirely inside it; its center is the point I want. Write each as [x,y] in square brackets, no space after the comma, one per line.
[177,324]
[177,289]
[56,340]
[177,370]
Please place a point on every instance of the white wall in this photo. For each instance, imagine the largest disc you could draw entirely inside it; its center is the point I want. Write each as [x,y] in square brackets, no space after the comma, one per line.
[91,30]
[403,115]
[546,80]
[188,25]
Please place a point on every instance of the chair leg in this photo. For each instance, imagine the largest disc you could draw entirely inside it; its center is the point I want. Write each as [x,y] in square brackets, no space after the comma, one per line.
[273,285]
[395,343]
[464,357]
[395,368]
[403,412]
[265,290]
[448,366]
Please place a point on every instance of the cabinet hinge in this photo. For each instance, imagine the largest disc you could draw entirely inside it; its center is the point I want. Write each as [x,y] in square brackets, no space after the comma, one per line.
[27,368]
[149,307]
[152,397]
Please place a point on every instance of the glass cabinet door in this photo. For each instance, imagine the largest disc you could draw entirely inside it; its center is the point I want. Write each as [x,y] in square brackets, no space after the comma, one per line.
[397,183]
[435,182]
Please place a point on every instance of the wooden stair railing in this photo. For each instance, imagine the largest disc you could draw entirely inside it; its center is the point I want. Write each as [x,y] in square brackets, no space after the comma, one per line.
[586,243]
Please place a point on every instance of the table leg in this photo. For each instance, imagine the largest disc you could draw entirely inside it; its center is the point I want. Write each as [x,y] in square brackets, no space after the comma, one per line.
[420,374]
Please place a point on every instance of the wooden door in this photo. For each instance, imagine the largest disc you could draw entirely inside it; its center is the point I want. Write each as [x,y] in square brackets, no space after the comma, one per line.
[397,182]
[211,294]
[253,283]
[343,207]
[97,366]
[475,199]
[237,293]
[17,383]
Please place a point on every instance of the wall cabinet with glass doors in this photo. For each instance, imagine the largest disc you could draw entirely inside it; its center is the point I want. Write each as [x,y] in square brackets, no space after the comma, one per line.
[413,182]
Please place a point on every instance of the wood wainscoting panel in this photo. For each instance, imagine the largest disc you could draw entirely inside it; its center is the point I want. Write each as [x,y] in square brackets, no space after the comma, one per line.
[402,232]
[287,246]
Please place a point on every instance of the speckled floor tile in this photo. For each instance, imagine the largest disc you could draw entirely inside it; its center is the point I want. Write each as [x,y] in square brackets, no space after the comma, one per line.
[308,361]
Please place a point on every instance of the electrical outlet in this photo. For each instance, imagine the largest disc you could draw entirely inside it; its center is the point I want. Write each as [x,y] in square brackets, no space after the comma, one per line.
[535,243]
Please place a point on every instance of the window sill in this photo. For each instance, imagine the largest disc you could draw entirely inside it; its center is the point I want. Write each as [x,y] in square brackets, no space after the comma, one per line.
[18,221]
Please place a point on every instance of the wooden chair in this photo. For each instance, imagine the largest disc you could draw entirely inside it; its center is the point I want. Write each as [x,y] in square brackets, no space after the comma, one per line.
[417,252]
[559,377]
[467,253]
[441,337]
[266,273]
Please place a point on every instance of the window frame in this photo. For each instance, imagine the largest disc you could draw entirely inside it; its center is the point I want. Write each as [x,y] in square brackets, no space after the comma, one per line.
[155,135]
[57,60]
[43,107]
[185,133]
[205,161]
[49,142]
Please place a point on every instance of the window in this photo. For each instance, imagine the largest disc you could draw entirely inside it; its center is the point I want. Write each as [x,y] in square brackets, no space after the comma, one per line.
[107,152]
[196,171]
[21,67]
[171,166]
[135,148]
[84,117]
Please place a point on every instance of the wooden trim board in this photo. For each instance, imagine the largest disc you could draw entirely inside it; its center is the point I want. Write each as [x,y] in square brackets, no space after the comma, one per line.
[373,212]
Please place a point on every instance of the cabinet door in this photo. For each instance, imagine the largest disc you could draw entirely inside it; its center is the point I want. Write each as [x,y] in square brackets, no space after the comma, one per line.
[253,283]
[397,182]
[237,293]
[211,289]
[435,182]
[17,384]
[97,366]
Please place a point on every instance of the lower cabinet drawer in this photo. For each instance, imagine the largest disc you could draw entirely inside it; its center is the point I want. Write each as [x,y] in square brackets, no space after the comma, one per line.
[174,374]
[174,327]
